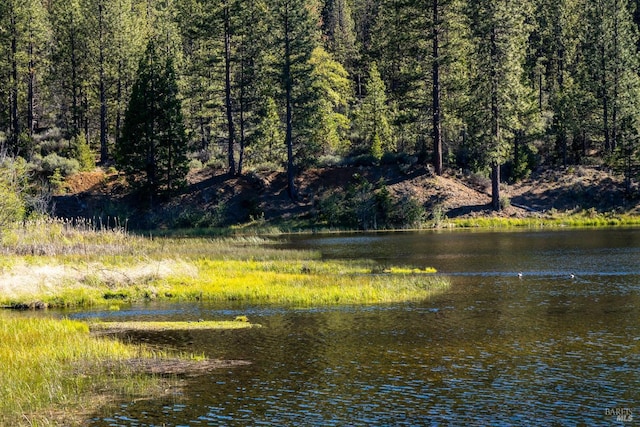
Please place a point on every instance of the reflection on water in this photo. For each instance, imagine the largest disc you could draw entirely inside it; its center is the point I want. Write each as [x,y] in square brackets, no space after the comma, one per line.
[496,349]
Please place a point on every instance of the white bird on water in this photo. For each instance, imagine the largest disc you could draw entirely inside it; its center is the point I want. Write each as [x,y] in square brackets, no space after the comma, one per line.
[520,275]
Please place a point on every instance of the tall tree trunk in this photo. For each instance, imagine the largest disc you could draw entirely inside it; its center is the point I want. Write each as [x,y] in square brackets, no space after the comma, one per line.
[119,101]
[75,86]
[605,99]
[437,124]
[243,106]
[495,186]
[616,78]
[495,124]
[227,89]
[15,118]
[291,185]
[104,148]
[31,89]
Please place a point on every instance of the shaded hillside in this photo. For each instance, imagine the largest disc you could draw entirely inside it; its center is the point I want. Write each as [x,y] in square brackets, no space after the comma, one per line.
[212,198]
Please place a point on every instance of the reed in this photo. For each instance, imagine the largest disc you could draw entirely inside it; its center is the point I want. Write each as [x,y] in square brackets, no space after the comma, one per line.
[54,372]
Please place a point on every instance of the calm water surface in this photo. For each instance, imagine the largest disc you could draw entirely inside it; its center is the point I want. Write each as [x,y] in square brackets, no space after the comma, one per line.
[545,349]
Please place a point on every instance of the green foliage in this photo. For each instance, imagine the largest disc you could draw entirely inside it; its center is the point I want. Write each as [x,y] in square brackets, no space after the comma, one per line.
[367,206]
[154,142]
[332,91]
[83,154]
[346,81]
[12,204]
[57,181]
[265,145]
[53,162]
[372,119]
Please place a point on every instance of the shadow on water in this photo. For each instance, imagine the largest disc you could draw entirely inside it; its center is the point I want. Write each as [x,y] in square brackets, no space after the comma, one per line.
[496,349]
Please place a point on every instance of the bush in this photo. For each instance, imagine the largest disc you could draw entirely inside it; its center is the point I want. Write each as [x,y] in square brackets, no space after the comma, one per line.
[82,153]
[12,183]
[367,206]
[53,162]
[12,207]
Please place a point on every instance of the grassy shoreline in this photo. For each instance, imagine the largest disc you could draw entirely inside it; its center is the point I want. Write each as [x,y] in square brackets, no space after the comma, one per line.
[549,220]
[62,266]
[54,372]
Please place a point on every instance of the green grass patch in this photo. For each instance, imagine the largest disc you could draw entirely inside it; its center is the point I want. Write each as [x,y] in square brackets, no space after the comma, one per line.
[249,269]
[585,219]
[54,372]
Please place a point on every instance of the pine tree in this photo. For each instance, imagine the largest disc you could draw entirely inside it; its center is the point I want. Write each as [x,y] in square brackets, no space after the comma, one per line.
[339,29]
[372,121]
[69,63]
[154,141]
[109,63]
[499,96]
[402,48]
[296,26]
[611,54]
[449,77]
[23,42]
[332,93]
[254,78]
[552,65]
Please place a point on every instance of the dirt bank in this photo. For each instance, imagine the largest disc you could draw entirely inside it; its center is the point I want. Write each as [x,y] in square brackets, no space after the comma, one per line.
[263,194]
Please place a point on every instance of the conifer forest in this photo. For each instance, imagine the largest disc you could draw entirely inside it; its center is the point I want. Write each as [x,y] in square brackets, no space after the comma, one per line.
[497,87]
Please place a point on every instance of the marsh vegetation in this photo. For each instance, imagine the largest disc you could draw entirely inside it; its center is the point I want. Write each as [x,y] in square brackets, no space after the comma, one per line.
[51,367]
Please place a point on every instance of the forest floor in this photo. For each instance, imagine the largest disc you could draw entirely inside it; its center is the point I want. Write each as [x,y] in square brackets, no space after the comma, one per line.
[263,195]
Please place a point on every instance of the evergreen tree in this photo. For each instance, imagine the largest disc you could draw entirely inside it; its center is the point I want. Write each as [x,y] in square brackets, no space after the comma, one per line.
[254,77]
[449,76]
[264,144]
[402,48]
[611,54]
[296,27]
[109,63]
[68,63]
[339,30]
[552,66]
[154,141]
[372,121]
[332,93]
[500,99]
[202,80]
[23,38]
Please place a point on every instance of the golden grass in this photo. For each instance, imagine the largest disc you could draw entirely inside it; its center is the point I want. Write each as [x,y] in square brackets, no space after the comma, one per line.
[247,269]
[171,326]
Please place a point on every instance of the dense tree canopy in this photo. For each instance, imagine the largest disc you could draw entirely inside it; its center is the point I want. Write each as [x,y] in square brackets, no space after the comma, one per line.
[490,87]
[154,143]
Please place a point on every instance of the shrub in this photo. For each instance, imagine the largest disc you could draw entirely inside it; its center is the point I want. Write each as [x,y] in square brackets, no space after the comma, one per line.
[12,207]
[82,153]
[367,206]
[52,162]
[12,186]
[57,182]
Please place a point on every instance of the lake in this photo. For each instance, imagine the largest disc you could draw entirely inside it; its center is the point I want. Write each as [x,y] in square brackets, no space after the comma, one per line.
[557,345]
